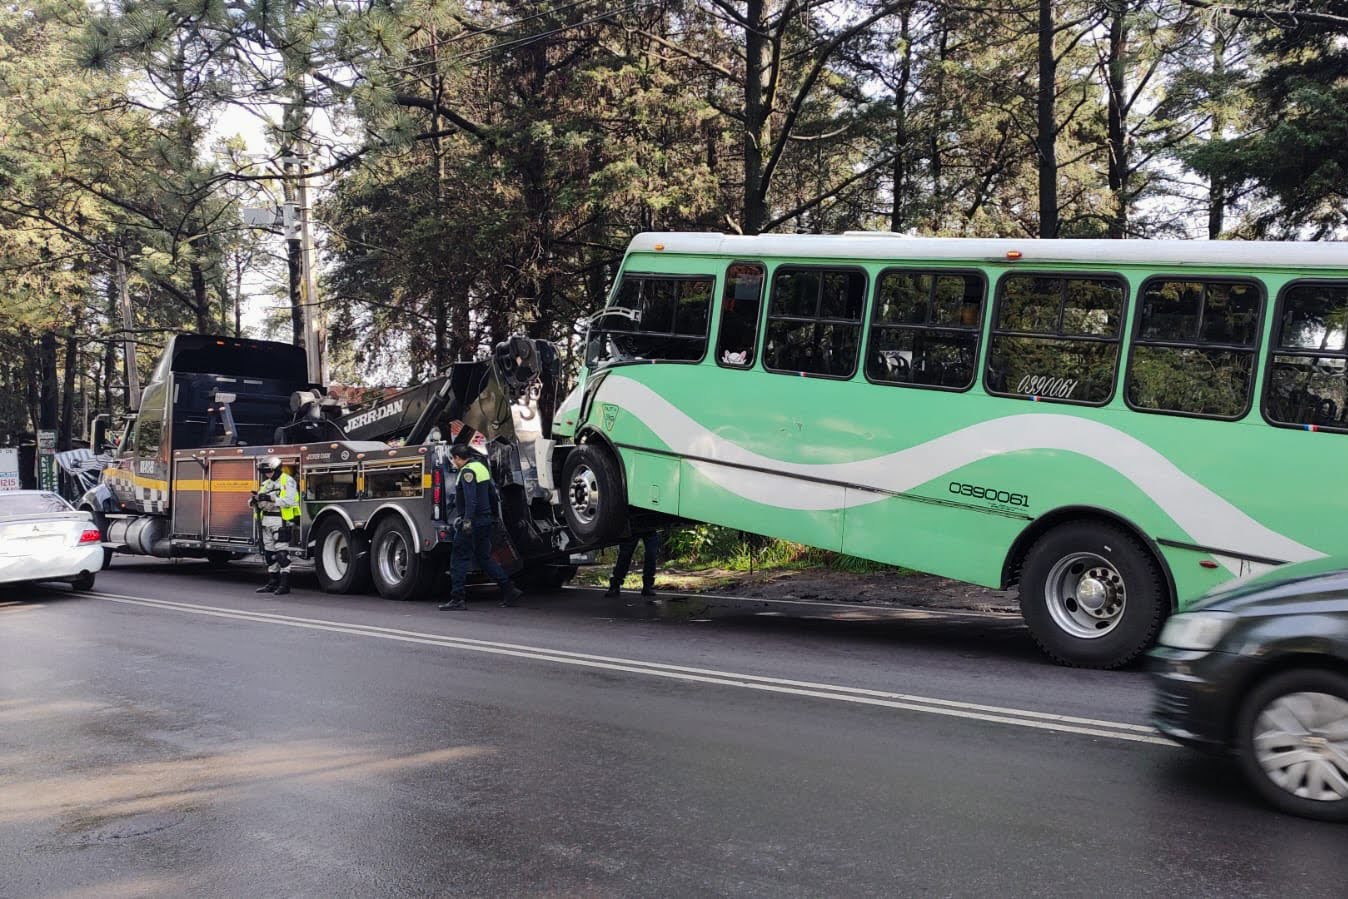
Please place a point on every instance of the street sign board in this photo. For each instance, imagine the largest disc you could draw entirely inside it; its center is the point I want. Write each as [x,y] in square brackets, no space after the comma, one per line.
[9,469]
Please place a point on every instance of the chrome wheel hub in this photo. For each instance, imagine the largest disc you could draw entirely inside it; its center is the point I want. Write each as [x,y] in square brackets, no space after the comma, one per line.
[393,557]
[1085,595]
[583,493]
[336,555]
[1301,743]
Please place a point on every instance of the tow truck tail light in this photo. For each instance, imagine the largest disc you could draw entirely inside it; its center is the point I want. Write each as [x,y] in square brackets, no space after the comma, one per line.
[436,481]
[90,535]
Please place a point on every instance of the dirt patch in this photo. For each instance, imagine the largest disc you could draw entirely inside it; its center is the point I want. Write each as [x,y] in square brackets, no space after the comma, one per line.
[886,588]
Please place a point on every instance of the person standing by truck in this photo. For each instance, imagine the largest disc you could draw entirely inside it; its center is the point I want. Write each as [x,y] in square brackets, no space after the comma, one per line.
[475,500]
[651,542]
[277,503]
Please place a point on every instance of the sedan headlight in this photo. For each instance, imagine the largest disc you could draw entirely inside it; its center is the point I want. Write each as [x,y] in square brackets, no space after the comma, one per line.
[1196,630]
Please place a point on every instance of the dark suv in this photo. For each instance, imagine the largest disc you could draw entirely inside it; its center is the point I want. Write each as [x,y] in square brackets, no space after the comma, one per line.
[1259,667]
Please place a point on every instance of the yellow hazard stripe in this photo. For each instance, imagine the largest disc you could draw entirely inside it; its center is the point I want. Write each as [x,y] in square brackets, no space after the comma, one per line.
[216,486]
[425,481]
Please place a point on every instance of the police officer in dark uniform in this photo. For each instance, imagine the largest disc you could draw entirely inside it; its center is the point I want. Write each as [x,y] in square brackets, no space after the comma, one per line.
[475,508]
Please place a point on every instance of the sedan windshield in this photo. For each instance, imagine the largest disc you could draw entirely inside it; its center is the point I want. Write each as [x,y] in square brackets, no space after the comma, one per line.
[15,504]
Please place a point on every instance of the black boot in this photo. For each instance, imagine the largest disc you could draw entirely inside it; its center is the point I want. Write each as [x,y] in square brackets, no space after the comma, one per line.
[615,587]
[510,595]
[270,586]
[454,605]
[648,589]
[284,586]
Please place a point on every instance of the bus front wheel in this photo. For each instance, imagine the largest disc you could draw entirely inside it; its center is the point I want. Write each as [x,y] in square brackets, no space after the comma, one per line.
[1092,595]
[593,500]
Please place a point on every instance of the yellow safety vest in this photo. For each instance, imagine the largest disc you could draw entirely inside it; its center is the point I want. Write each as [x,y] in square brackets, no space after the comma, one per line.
[286,494]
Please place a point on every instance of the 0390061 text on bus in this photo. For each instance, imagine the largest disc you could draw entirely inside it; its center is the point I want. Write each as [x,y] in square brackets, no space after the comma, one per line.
[1113,426]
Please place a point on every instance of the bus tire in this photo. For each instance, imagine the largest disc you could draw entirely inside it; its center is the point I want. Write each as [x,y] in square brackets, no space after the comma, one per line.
[1092,595]
[341,557]
[593,501]
[397,567]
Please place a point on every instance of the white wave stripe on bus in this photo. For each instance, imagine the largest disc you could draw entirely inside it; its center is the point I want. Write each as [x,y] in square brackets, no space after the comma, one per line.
[1205,516]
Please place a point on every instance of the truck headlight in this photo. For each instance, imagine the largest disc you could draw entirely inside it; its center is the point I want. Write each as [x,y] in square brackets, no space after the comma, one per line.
[1196,630]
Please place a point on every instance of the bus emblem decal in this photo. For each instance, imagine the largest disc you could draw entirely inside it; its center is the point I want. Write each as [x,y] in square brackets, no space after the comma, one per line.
[610,416]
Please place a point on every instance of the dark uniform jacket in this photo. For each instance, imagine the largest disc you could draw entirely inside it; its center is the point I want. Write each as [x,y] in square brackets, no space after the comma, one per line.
[474,493]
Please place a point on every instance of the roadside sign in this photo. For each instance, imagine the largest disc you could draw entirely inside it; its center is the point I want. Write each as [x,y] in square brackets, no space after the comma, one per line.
[46,460]
[9,469]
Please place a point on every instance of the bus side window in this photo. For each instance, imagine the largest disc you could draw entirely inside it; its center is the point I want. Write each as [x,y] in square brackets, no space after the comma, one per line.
[673,312]
[737,339]
[1056,338]
[924,330]
[1307,382]
[1194,347]
[814,321]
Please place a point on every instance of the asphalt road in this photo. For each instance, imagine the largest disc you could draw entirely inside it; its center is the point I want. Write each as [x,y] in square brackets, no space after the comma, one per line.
[174,734]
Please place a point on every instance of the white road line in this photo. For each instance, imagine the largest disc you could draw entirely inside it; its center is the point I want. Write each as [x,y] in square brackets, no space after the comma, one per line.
[894,611]
[1116,730]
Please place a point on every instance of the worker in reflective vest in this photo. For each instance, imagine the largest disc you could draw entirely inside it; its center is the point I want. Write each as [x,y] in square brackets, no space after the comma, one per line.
[475,513]
[277,503]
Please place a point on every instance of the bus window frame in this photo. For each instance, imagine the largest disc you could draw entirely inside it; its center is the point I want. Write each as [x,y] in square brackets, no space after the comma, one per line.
[1078,275]
[978,329]
[1272,348]
[758,321]
[1171,344]
[860,323]
[669,276]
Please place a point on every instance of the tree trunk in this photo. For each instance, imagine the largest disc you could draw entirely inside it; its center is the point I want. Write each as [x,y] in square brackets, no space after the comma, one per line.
[1118,138]
[72,365]
[898,215]
[757,115]
[1216,187]
[49,410]
[1047,132]
[200,299]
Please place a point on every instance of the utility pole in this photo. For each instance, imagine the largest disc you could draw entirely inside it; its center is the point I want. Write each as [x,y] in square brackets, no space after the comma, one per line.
[304,294]
[315,336]
[129,340]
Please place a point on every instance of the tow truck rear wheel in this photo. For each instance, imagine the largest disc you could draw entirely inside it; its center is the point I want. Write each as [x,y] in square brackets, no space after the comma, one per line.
[593,499]
[397,567]
[341,557]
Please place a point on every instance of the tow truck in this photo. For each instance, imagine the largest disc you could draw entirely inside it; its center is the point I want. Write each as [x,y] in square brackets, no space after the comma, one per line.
[373,480]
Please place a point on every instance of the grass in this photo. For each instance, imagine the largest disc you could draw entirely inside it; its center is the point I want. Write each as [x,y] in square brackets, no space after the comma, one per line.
[706,557]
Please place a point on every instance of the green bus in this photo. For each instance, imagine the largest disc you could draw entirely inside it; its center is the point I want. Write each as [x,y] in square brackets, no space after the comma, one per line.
[1112,427]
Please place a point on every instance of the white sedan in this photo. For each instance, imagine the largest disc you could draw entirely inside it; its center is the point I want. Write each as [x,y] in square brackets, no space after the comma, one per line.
[43,539]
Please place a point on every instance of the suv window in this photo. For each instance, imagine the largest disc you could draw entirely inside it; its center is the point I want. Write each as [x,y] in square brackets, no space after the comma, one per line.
[1056,338]
[814,321]
[1307,384]
[1194,348]
[924,330]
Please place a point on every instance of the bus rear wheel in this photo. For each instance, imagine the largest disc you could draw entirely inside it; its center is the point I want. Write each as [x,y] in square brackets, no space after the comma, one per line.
[341,557]
[592,494]
[1092,595]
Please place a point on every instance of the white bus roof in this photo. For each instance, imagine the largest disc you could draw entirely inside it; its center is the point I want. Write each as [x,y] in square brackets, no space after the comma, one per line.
[883,245]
